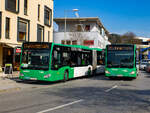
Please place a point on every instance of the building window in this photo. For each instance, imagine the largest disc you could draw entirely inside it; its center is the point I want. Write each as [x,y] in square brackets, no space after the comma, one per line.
[87,28]
[23,30]
[100,30]
[12,5]
[38,12]
[7,28]
[25,6]
[62,41]
[47,16]
[68,42]
[0,23]
[74,42]
[79,28]
[40,33]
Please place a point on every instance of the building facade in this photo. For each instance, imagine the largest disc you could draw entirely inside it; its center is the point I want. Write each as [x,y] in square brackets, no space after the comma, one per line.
[81,31]
[144,48]
[23,20]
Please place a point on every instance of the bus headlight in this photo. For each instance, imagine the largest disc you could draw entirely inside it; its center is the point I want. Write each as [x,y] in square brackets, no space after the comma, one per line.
[132,73]
[21,74]
[107,72]
[47,76]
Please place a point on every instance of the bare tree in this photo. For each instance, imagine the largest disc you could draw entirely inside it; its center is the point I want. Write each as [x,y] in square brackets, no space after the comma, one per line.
[115,38]
[128,37]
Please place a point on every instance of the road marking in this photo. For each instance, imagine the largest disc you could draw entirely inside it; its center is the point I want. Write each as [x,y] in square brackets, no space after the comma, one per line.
[114,87]
[62,106]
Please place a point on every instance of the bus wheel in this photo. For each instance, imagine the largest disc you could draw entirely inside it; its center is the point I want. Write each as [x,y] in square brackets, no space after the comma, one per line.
[66,76]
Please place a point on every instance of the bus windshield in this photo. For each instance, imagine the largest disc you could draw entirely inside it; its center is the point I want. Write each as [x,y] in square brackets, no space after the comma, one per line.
[120,59]
[36,59]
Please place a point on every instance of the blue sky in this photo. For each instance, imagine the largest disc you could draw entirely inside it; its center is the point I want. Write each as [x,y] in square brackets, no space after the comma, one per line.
[118,16]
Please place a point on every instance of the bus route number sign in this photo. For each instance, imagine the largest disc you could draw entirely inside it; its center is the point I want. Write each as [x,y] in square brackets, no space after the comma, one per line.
[36,46]
[119,48]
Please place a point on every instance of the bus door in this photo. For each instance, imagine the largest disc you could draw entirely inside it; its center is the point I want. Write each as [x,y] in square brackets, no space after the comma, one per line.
[100,62]
[84,62]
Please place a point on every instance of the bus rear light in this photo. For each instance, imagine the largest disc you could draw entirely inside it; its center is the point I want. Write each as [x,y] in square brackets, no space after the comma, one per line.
[107,72]
[21,74]
[132,73]
[47,76]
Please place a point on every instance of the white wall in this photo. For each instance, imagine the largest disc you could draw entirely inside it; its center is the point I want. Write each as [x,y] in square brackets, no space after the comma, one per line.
[99,41]
[71,26]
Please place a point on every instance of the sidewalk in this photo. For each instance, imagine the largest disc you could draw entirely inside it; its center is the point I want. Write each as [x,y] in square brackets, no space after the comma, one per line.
[13,83]
[8,83]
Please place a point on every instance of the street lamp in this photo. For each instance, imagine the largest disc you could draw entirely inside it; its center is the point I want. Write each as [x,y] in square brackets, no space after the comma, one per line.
[65,12]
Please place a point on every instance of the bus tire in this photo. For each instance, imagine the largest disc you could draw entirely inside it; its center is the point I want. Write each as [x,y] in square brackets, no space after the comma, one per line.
[66,76]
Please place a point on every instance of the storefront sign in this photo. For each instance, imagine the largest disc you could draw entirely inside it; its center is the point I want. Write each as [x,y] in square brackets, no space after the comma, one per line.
[88,42]
[18,50]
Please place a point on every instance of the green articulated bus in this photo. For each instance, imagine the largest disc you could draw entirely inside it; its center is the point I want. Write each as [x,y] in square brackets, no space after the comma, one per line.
[54,62]
[121,61]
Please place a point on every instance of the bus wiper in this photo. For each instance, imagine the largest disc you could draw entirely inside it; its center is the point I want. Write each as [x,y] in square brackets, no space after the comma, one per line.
[116,65]
[126,65]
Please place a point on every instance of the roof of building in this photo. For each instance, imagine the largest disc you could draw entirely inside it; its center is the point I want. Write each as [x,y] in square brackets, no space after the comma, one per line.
[144,39]
[83,19]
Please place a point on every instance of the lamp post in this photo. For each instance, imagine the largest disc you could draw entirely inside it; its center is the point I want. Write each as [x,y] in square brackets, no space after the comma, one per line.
[65,12]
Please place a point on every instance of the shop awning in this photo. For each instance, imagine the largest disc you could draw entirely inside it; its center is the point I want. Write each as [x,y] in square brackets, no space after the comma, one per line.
[12,45]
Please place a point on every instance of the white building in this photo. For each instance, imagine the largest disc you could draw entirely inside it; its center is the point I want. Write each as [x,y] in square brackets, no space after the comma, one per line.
[144,39]
[81,31]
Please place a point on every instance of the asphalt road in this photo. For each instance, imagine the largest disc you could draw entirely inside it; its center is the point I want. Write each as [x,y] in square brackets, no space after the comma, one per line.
[85,95]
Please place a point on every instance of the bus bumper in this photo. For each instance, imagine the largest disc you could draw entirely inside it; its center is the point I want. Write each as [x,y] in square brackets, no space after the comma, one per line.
[121,73]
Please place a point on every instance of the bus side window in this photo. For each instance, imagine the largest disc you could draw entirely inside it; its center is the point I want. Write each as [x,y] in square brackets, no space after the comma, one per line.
[79,58]
[73,58]
[87,57]
[66,56]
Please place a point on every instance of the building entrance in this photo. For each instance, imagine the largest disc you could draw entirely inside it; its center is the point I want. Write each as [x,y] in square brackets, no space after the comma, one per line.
[7,55]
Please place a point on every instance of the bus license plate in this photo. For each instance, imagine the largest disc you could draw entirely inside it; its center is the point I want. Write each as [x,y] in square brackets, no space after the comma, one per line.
[120,75]
[33,78]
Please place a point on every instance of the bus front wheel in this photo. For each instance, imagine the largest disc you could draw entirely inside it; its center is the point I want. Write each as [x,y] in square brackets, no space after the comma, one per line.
[66,76]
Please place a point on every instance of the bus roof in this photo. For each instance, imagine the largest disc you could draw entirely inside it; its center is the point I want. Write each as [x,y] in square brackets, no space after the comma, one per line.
[120,44]
[75,46]
[79,46]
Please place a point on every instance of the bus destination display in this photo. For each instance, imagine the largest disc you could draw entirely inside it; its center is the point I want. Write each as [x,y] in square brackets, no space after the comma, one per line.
[120,48]
[36,46]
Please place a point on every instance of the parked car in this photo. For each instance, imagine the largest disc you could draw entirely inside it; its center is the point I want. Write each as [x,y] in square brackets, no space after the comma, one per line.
[146,60]
[143,64]
[137,65]
[147,68]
